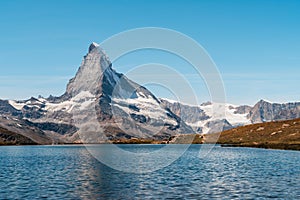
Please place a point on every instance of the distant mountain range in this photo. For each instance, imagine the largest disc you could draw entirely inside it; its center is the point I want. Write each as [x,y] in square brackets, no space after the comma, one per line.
[121,108]
[202,121]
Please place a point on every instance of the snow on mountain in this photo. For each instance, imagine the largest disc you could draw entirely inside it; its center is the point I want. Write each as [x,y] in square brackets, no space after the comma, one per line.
[210,114]
[146,107]
[203,116]
[81,100]
[17,105]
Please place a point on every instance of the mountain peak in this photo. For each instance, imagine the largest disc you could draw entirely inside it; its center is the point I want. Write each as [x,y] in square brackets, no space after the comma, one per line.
[93,46]
[89,77]
[264,101]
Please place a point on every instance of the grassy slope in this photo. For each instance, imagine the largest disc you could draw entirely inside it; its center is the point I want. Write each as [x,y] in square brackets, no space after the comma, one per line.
[278,135]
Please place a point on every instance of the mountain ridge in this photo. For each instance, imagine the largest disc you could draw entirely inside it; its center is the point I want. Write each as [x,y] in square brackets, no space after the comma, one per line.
[237,115]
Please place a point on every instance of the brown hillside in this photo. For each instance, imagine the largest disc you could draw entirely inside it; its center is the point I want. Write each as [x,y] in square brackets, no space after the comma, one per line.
[279,135]
[10,138]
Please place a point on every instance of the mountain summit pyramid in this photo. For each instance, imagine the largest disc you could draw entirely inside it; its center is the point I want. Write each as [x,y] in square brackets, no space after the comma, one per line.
[123,107]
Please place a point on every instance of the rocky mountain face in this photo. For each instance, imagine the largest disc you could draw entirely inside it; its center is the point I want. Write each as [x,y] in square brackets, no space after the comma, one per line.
[101,105]
[188,113]
[265,111]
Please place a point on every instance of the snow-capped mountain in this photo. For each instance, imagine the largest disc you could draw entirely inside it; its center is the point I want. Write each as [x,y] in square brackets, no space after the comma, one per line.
[100,105]
[99,95]
[202,119]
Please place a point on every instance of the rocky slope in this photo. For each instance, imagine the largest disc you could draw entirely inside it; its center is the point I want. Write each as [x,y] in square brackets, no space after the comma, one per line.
[265,111]
[18,131]
[10,138]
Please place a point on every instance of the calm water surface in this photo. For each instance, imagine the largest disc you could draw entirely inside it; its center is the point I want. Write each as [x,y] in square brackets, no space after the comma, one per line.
[70,172]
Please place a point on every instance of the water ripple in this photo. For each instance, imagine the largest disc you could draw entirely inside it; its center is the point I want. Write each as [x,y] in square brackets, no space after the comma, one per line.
[70,172]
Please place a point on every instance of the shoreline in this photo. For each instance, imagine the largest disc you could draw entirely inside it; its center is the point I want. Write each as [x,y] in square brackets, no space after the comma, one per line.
[293,147]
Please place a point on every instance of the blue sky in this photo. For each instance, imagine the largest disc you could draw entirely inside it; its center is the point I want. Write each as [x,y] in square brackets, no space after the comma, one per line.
[255,44]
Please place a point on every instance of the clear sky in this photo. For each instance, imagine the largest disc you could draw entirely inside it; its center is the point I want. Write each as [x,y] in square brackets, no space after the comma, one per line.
[255,44]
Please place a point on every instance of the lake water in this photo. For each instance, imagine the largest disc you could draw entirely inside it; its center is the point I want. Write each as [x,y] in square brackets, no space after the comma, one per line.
[70,172]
